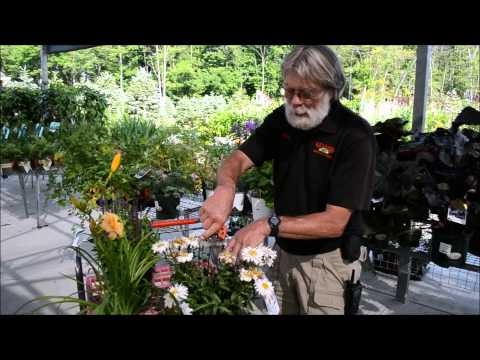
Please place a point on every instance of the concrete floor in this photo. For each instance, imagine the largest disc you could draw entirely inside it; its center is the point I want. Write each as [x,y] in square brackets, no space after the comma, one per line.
[35,262]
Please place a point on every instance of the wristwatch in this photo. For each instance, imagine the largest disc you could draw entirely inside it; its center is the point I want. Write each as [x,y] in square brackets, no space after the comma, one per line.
[274,222]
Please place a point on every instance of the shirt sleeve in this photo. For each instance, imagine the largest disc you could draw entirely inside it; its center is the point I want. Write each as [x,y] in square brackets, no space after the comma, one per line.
[260,147]
[352,180]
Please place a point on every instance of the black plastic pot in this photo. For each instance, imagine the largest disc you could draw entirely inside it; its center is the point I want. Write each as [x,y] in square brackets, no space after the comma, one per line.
[169,206]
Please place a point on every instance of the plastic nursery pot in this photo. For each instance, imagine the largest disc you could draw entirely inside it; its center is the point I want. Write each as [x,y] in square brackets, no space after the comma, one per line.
[169,207]
[380,240]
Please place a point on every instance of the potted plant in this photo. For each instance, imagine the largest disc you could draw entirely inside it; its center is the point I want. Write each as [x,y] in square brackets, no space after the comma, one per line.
[213,282]
[9,154]
[168,190]
[122,258]
[259,182]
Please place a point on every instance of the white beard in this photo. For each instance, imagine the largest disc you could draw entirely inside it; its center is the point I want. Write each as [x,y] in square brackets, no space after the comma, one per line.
[304,118]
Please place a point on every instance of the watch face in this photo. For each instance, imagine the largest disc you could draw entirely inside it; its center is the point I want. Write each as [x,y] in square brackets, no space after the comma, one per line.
[274,220]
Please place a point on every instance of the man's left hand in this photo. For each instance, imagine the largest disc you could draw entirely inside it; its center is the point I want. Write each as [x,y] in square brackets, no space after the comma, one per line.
[251,235]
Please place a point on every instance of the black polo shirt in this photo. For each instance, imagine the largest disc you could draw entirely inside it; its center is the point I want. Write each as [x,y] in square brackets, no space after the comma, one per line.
[330,164]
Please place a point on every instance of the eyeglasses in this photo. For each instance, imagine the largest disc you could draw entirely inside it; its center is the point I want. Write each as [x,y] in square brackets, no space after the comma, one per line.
[306,95]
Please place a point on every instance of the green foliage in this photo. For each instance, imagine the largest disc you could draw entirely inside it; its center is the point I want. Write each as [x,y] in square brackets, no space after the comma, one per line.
[222,293]
[143,95]
[183,81]
[19,105]
[259,180]
[10,152]
[240,108]
[374,73]
[193,112]
[123,266]
[86,161]
[68,105]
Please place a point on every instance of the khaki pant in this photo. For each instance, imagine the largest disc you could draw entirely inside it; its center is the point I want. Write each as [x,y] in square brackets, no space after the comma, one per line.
[311,284]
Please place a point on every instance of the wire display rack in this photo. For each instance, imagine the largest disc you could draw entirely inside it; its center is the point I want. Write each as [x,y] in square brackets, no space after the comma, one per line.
[388,262]
[462,278]
[387,259]
[188,224]
[416,264]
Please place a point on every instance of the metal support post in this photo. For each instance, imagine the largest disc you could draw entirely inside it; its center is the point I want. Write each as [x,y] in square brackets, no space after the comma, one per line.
[404,268]
[37,199]
[24,195]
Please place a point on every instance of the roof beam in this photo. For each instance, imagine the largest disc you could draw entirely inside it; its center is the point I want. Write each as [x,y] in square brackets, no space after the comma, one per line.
[52,49]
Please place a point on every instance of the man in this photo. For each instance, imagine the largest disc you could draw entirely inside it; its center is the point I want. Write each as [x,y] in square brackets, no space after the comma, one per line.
[323,156]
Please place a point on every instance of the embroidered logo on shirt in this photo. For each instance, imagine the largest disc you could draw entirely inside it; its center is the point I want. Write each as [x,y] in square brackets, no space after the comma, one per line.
[323,149]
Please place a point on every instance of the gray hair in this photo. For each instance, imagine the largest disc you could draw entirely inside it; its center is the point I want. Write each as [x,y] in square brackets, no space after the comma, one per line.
[318,64]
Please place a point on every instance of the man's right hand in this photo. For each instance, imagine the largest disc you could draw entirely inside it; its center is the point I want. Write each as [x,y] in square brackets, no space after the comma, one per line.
[216,209]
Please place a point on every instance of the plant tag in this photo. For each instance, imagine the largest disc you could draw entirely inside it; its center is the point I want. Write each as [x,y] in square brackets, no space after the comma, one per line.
[5,132]
[142,173]
[22,131]
[458,216]
[54,126]
[272,304]
[433,216]
[445,248]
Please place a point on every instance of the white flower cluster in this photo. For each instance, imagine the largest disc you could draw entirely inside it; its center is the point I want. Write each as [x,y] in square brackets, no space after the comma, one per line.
[178,250]
[184,242]
[182,256]
[250,274]
[227,257]
[260,255]
[174,139]
[178,293]
[179,244]
[222,140]
[160,247]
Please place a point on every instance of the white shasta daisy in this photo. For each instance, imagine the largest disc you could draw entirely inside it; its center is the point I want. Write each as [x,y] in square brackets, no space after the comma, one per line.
[263,286]
[176,292]
[183,256]
[180,243]
[252,254]
[227,257]
[160,246]
[250,274]
[269,256]
[193,242]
